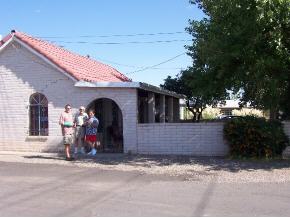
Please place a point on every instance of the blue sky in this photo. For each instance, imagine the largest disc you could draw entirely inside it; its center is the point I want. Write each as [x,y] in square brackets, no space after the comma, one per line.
[72,19]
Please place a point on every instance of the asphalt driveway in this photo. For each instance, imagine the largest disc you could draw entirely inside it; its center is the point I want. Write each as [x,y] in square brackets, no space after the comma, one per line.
[36,188]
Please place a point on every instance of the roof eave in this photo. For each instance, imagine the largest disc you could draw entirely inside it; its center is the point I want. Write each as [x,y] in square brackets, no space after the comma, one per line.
[151,88]
[85,84]
[136,85]
[3,46]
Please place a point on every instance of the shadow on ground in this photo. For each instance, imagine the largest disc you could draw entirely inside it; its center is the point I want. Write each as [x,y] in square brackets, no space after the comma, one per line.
[57,157]
[210,163]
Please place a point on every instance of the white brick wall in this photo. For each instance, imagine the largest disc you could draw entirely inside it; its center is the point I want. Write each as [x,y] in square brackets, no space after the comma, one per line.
[205,139]
[22,74]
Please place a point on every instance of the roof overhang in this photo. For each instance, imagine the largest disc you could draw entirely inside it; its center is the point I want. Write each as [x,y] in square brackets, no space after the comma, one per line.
[135,85]
[151,88]
[35,52]
[5,43]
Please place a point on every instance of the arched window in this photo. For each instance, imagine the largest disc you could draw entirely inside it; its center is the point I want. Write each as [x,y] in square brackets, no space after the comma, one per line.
[38,115]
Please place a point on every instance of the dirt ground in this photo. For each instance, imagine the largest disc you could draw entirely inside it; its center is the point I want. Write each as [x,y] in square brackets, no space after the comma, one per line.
[188,167]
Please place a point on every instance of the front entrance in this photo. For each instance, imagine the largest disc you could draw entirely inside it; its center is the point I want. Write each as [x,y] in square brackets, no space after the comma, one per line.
[110,130]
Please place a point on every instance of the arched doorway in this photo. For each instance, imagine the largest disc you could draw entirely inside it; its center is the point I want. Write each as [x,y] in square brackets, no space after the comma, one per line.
[110,130]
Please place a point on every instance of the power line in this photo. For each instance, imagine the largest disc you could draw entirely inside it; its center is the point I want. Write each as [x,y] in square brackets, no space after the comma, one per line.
[120,43]
[163,62]
[140,67]
[114,35]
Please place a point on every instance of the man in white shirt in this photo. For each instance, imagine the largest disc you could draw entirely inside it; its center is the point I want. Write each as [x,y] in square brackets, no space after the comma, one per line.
[79,121]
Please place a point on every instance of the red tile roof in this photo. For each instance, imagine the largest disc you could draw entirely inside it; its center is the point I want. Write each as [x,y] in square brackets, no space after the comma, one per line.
[79,67]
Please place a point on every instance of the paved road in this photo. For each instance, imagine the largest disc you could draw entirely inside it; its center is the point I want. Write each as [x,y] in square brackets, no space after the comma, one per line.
[29,189]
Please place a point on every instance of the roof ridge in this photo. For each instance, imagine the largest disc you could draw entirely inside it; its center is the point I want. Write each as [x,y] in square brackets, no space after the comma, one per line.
[69,60]
[61,48]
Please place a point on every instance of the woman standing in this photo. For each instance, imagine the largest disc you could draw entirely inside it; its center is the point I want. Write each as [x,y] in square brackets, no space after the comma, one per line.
[91,132]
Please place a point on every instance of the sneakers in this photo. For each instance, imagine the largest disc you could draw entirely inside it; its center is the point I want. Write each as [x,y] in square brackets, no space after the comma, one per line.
[93,152]
[79,151]
[82,150]
[69,159]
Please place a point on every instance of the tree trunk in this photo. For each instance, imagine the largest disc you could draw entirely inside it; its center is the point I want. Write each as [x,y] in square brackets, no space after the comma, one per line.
[194,117]
[192,111]
[273,113]
[200,114]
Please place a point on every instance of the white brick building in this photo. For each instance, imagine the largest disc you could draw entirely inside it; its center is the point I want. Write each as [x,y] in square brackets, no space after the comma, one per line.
[37,79]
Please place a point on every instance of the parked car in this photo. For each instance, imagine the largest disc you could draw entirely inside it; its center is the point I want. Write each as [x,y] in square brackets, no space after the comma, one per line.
[226,117]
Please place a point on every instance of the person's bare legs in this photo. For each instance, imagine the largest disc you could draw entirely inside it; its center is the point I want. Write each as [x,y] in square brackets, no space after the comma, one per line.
[76,147]
[79,142]
[90,144]
[82,146]
[67,150]
[93,147]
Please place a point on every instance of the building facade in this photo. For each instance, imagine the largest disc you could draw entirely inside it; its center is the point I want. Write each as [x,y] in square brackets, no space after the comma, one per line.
[37,79]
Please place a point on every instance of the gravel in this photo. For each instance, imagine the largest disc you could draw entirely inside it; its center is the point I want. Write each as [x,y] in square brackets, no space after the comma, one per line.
[199,169]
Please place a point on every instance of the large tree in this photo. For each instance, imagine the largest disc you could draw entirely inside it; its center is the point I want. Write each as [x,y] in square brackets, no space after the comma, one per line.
[198,94]
[243,45]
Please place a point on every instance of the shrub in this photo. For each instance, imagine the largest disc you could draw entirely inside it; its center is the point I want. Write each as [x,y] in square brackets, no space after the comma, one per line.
[255,137]
[248,112]
[210,113]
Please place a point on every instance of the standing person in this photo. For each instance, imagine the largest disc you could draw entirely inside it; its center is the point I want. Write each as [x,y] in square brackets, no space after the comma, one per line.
[66,122]
[91,131]
[80,119]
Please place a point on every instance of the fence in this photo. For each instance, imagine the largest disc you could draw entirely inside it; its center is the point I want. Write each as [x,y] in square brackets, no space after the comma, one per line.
[200,139]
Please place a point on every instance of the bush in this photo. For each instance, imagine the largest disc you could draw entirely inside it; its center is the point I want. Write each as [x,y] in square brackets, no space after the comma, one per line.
[255,137]
[248,112]
[210,113]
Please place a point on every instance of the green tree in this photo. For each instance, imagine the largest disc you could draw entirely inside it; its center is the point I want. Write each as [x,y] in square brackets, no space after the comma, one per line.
[192,86]
[193,103]
[243,45]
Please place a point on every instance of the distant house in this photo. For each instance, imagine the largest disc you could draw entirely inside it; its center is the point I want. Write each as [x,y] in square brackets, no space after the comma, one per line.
[38,78]
[228,108]
[232,107]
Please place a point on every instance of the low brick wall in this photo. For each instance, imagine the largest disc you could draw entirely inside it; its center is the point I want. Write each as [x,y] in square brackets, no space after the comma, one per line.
[201,139]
